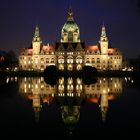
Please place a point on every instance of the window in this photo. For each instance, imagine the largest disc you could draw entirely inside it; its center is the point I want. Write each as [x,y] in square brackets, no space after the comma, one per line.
[42,59]
[61,60]
[47,60]
[93,60]
[98,60]
[52,60]
[79,60]
[87,60]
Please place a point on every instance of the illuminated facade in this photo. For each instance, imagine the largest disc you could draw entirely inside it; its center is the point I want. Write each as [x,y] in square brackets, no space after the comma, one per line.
[69,93]
[70,53]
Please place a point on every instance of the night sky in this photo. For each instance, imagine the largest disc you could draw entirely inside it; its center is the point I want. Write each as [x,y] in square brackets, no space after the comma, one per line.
[18,19]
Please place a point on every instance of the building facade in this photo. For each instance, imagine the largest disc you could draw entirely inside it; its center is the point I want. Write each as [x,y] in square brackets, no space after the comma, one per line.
[70,53]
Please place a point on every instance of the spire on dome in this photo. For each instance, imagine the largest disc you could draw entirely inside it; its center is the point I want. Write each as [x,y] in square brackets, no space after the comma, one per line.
[70,15]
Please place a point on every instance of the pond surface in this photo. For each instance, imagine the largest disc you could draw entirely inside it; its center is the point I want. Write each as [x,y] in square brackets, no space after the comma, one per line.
[31,107]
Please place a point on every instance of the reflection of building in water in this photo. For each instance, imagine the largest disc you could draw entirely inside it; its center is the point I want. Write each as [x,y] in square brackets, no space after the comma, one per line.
[70,93]
[104,90]
[72,89]
[38,91]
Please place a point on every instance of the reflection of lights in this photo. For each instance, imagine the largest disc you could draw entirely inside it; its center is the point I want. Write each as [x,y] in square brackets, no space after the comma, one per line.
[100,81]
[132,81]
[12,78]
[29,86]
[72,95]
[125,79]
[111,79]
[104,91]
[25,79]
[36,86]
[81,87]
[129,78]
[16,79]
[25,85]
[104,79]
[78,81]
[42,86]
[7,80]
[108,90]
[68,87]
[115,85]
[42,79]
[25,90]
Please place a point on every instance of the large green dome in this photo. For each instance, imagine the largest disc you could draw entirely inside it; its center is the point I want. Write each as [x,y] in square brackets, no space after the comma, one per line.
[70,26]
[70,31]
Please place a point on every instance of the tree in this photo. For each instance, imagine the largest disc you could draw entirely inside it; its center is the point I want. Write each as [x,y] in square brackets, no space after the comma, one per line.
[50,75]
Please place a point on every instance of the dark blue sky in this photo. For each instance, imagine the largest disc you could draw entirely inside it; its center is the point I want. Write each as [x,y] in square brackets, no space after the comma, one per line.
[121,17]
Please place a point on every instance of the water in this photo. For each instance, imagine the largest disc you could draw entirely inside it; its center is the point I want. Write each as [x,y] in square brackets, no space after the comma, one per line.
[31,107]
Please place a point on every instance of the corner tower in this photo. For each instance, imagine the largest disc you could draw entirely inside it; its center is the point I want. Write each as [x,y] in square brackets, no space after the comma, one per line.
[70,32]
[104,41]
[36,42]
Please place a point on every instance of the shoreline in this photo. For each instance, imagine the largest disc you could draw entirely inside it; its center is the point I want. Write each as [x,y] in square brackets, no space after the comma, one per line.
[73,74]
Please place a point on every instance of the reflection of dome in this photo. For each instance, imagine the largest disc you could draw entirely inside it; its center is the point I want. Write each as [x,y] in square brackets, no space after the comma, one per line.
[70,31]
[70,114]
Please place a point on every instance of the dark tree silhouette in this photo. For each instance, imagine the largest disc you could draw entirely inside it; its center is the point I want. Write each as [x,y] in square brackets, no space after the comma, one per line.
[50,75]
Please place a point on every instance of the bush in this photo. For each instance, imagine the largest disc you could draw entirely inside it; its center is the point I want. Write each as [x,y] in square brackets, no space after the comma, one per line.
[50,75]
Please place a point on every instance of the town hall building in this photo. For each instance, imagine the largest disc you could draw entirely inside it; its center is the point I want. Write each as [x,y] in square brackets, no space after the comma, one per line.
[70,53]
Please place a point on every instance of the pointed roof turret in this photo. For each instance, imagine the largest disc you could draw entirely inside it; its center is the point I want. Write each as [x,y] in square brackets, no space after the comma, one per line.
[61,47]
[37,113]
[104,113]
[103,33]
[70,47]
[79,47]
[37,35]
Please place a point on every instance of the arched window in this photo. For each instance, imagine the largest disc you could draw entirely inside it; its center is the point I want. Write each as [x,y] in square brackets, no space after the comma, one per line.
[52,60]
[61,60]
[79,60]
[69,59]
[93,60]
[47,60]
[87,60]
